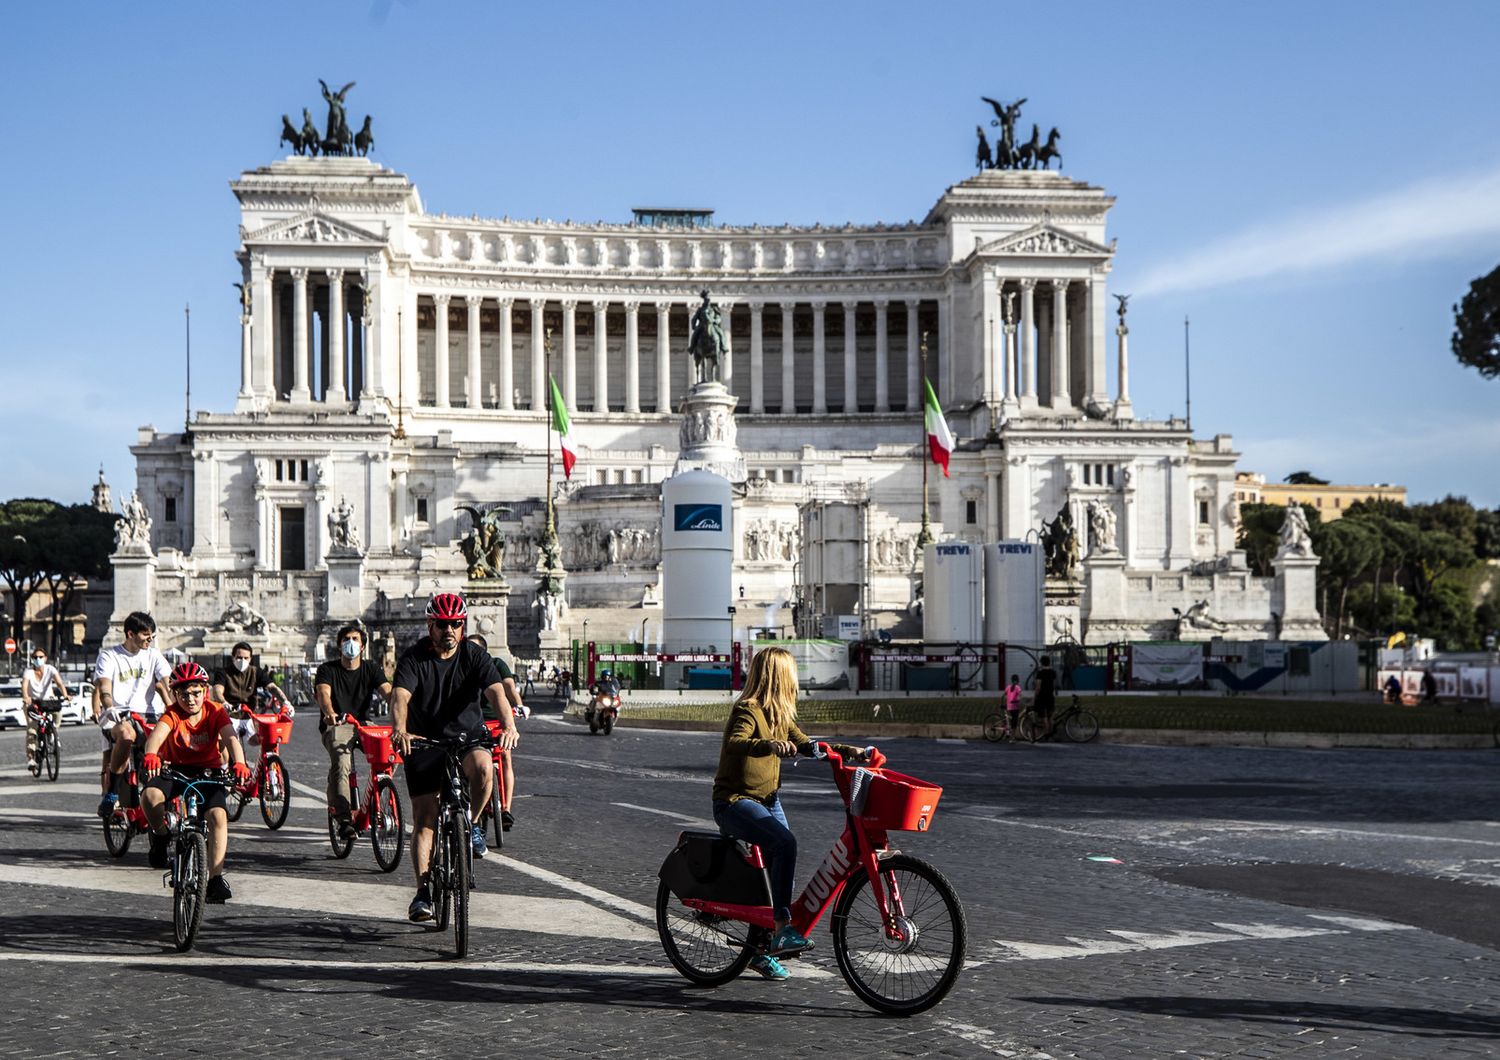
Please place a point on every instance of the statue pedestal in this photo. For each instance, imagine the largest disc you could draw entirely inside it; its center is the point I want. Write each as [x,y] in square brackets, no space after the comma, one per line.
[707,436]
[345,572]
[1295,596]
[488,600]
[1105,587]
[135,587]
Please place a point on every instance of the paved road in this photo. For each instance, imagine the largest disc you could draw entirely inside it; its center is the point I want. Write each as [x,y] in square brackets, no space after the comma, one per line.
[1259,903]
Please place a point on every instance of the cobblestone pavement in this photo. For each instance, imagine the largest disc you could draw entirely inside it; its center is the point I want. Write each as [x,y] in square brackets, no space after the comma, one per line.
[1260,903]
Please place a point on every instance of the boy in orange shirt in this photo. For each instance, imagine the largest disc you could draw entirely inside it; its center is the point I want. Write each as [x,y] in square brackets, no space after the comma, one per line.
[190,736]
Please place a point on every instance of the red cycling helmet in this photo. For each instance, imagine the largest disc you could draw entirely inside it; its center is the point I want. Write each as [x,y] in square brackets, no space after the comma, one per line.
[189,673]
[447,607]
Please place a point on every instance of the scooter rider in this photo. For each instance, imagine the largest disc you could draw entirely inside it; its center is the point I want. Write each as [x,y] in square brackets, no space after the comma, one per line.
[604,689]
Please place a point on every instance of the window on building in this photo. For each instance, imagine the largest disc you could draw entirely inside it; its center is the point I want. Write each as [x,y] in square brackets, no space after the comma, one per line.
[620,476]
[1203,513]
[601,476]
[638,475]
[1088,474]
[971,512]
[790,474]
[1109,473]
[1338,502]
[293,538]
[421,509]
[1318,502]
[169,513]
[278,471]
[303,469]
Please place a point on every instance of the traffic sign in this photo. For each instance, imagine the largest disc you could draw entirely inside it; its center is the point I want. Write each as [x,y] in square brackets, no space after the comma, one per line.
[10,646]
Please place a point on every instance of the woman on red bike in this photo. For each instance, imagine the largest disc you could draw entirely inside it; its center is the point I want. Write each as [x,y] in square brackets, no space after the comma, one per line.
[762,730]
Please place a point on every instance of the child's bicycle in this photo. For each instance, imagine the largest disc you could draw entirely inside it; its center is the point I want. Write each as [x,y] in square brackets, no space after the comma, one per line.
[998,729]
[187,869]
[380,809]
[898,928]
[1076,723]
[270,784]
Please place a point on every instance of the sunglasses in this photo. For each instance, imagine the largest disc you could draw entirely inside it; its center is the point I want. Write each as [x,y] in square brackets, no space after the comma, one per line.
[447,623]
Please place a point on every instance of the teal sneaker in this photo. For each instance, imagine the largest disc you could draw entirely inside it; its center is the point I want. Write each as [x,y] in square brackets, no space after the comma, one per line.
[787,940]
[768,968]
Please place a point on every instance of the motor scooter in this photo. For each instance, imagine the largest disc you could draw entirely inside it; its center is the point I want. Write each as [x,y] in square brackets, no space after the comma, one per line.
[602,712]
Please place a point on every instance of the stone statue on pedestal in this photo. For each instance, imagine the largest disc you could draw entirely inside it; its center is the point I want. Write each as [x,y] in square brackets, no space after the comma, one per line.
[343,538]
[133,526]
[1102,528]
[484,545]
[706,342]
[1296,537]
[1060,544]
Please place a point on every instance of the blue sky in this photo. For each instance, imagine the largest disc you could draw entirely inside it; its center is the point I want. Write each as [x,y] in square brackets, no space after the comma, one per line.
[1314,184]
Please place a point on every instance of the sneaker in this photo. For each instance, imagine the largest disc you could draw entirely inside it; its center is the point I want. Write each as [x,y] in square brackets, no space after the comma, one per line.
[769,968]
[476,839]
[218,890]
[420,909]
[347,829]
[787,940]
[156,856]
[507,820]
[107,804]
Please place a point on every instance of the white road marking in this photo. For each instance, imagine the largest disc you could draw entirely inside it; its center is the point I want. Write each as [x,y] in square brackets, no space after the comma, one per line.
[488,909]
[684,818]
[54,788]
[1360,923]
[1141,941]
[275,964]
[14,811]
[614,901]
[308,789]
[987,1040]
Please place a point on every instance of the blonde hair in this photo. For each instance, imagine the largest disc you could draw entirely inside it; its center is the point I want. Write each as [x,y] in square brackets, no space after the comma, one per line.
[771,685]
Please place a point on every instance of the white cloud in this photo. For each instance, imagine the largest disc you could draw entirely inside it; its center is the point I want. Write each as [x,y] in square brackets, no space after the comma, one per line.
[1423,220]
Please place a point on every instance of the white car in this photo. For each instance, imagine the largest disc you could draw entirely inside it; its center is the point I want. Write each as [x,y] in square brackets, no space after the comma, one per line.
[12,709]
[79,710]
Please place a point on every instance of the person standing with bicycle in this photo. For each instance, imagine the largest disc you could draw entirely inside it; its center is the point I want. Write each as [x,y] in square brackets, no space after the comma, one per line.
[42,690]
[1046,695]
[341,687]
[436,696]
[192,735]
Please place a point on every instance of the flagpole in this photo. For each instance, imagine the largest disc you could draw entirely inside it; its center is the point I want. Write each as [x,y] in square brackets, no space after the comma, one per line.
[551,531]
[924,538]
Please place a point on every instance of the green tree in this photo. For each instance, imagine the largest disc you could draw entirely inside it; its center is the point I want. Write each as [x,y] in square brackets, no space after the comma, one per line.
[1260,533]
[75,546]
[1347,550]
[1476,326]
[1381,615]
[1305,478]
[22,529]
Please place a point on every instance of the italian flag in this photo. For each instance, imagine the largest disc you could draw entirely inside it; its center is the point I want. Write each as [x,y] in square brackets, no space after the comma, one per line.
[560,425]
[939,437]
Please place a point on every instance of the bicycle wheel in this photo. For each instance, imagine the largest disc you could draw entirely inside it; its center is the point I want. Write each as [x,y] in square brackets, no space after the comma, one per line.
[386,833]
[1081,726]
[910,975]
[440,870]
[275,793]
[235,802]
[341,845]
[1032,727]
[51,754]
[708,950]
[458,883]
[496,807]
[994,728]
[190,891]
[117,834]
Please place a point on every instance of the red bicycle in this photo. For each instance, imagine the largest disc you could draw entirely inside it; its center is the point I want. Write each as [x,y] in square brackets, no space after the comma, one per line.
[898,928]
[270,784]
[129,818]
[491,815]
[380,809]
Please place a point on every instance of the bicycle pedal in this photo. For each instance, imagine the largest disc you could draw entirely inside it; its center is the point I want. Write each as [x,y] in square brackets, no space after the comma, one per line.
[166,879]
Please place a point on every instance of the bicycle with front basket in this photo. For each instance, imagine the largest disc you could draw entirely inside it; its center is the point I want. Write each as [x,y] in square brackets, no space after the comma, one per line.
[380,809]
[898,928]
[270,784]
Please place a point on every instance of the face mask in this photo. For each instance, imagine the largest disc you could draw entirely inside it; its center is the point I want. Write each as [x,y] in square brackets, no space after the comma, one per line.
[39,663]
[350,648]
[242,665]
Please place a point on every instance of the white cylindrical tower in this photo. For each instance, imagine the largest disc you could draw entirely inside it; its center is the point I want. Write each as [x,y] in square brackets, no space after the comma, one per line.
[697,564]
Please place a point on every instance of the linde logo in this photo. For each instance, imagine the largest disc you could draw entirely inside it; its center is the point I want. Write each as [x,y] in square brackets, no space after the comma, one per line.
[698,517]
[829,873]
[953,550]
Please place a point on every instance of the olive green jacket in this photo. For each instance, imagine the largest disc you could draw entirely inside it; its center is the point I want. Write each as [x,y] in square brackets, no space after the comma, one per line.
[748,767]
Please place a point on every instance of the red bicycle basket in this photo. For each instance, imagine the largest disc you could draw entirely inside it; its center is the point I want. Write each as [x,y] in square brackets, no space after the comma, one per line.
[375,741]
[896,802]
[273,729]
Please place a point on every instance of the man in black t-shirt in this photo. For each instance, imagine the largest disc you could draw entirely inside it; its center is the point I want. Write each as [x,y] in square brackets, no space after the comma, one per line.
[344,686]
[1046,693]
[439,681]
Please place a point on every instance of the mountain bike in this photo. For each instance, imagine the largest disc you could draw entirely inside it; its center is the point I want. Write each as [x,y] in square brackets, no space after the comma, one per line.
[898,928]
[451,869]
[48,751]
[270,784]
[128,819]
[380,809]
[1076,723]
[187,871]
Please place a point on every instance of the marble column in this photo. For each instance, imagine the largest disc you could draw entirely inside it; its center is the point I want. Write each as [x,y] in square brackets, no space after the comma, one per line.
[1122,402]
[473,399]
[407,325]
[1012,363]
[726,362]
[507,356]
[1098,391]
[757,357]
[1060,396]
[632,356]
[687,362]
[601,356]
[1028,341]
[820,358]
[538,354]
[989,332]
[851,357]
[440,347]
[663,356]
[570,355]
[247,361]
[263,326]
[337,389]
[991,506]
[882,357]
[300,391]
[943,348]
[913,355]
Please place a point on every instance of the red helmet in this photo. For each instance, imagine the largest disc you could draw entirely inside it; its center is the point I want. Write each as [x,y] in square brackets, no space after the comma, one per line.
[448,607]
[189,673]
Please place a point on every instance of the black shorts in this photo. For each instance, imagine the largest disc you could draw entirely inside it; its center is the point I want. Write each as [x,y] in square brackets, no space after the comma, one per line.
[1044,708]
[426,767]
[212,794]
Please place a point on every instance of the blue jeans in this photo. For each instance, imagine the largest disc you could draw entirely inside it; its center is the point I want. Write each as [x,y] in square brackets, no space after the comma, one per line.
[764,825]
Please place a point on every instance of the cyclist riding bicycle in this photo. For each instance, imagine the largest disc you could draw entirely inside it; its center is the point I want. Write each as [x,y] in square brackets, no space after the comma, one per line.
[128,677]
[344,686]
[191,736]
[239,685]
[518,708]
[438,684]
[42,690]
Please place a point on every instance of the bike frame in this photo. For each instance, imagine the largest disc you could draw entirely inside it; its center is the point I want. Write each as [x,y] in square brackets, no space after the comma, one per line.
[498,755]
[363,812]
[264,724]
[860,846]
[135,816]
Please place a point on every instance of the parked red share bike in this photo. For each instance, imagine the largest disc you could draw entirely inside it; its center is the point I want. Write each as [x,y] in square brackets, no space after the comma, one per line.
[270,783]
[898,928]
[380,809]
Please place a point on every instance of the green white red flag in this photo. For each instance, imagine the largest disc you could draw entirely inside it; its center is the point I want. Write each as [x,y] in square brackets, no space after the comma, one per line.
[560,425]
[939,437]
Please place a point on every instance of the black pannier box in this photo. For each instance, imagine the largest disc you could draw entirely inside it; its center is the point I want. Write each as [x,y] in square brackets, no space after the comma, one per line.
[708,866]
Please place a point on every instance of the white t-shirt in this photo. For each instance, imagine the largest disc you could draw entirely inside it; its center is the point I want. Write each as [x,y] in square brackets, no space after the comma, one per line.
[44,686]
[133,677]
